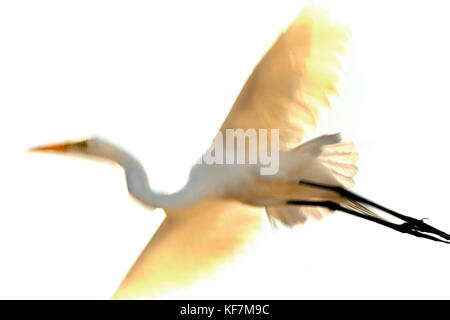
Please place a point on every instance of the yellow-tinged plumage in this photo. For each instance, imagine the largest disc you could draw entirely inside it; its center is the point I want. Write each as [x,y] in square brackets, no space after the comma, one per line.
[189,244]
[292,82]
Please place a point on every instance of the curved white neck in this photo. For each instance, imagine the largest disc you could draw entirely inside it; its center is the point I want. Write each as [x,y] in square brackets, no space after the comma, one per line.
[139,187]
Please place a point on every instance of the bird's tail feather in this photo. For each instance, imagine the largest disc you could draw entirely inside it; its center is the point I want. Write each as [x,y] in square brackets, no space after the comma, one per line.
[361,207]
[327,155]
[331,156]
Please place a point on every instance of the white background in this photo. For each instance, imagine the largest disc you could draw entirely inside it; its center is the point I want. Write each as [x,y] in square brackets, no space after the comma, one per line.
[158,78]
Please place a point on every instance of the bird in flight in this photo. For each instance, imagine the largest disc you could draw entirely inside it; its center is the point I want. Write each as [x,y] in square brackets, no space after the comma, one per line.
[222,205]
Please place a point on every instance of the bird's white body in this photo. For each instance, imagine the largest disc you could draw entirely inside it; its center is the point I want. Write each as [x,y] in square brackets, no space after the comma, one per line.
[319,160]
[222,206]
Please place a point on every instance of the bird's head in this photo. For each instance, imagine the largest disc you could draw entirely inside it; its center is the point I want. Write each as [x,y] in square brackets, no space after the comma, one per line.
[93,146]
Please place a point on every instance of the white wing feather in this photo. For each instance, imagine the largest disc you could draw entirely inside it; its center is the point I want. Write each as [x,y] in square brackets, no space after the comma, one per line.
[293,80]
[189,243]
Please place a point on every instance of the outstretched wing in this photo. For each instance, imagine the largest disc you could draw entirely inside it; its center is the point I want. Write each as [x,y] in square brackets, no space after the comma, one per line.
[188,244]
[293,80]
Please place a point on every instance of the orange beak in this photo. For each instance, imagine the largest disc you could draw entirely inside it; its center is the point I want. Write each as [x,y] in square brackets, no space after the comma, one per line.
[57,147]
[60,147]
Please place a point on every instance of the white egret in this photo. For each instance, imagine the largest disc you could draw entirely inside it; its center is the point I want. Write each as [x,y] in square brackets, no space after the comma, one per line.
[221,206]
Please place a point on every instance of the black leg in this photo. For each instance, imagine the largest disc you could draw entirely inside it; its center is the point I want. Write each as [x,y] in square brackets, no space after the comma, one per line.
[353,196]
[412,226]
[418,224]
